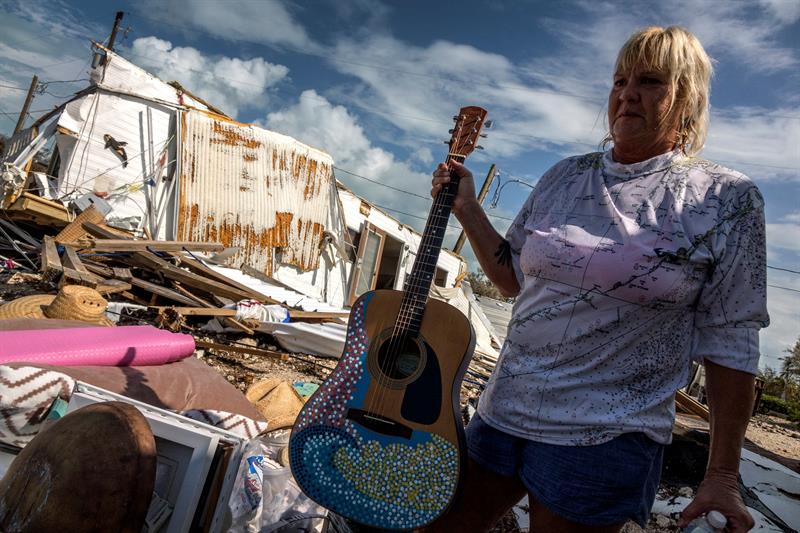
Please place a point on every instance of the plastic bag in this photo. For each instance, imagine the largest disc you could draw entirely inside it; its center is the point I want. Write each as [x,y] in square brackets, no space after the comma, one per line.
[265,496]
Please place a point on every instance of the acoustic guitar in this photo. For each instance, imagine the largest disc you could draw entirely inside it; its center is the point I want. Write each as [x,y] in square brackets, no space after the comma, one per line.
[381,441]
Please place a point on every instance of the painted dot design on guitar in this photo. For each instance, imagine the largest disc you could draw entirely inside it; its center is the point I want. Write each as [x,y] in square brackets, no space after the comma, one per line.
[381,481]
[328,407]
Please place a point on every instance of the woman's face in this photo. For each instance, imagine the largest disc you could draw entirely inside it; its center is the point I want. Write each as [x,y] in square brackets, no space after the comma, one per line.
[638,106]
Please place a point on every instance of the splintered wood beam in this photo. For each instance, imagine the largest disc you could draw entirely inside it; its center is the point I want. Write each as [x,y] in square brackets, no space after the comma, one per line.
[124,245]
[71,260]
[51,262]
[241,350]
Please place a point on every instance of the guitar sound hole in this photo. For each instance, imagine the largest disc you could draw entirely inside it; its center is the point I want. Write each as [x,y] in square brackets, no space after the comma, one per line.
[399,358]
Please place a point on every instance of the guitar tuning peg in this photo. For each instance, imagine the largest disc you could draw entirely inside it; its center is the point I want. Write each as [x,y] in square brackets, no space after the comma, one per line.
[488,124]
[446,142]
[478,147]
[450,131]
[484,135]
[455,117]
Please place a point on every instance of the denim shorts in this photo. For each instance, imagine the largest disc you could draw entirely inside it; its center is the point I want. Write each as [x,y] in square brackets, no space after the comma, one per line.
[597,485]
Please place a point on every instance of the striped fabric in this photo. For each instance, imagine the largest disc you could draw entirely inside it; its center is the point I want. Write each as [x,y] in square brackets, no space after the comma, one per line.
[26,394]
[240,425]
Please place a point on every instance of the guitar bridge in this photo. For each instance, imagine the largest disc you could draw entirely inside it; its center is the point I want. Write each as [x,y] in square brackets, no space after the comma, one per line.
[379,424]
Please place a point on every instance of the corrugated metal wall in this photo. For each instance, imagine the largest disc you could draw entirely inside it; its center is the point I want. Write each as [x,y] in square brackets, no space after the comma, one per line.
[258,190]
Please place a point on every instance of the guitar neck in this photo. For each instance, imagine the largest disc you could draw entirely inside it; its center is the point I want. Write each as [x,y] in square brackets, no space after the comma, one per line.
[418,283]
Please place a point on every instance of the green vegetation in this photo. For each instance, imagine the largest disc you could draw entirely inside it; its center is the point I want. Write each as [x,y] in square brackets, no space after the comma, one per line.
[782,389]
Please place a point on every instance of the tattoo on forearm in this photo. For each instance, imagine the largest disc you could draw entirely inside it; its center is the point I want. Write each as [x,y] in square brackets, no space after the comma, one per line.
[503,253]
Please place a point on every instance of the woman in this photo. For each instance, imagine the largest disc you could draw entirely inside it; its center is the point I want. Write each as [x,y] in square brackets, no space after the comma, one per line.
[626,265]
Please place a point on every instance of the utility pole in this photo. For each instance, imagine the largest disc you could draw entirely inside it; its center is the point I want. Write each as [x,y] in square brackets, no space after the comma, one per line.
[26,105]
[113,36]
[481,197]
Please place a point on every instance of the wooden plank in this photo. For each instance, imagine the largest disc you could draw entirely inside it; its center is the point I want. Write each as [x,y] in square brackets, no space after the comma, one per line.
[140,283]
[241,350]
[71,260]
[51,262]
[317,315]
[199,268]
[74,230]
[198,311]
[690,405]
[123,274]
[154,263]
[73,277]
[30,206]
[112,286]
[124,245]
[227,320]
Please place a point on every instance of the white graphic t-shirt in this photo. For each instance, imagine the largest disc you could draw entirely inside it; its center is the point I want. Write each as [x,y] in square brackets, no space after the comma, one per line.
[627,272]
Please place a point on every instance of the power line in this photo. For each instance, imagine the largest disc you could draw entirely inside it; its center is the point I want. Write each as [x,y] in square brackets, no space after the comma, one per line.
[13,87]
[784,288]
[426,198]
[783,269]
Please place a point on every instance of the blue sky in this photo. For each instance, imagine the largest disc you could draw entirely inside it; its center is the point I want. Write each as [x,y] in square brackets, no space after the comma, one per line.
[375,84]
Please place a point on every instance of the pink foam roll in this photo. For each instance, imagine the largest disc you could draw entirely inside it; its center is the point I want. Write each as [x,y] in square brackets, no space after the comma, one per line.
[104,346]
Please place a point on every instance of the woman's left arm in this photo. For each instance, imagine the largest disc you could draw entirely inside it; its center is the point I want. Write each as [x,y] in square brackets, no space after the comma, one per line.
[730,396]
[731,309]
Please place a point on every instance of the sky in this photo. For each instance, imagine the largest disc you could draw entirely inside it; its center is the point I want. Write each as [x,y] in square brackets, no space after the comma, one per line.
[375,84]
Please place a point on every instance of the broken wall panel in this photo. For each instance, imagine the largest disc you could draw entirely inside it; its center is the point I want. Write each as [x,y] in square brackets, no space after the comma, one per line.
[16,144]
[88,165]
[254,189]
[118,74]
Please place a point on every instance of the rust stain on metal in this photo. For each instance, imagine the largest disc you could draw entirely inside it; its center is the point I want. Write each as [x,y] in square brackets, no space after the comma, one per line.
[287,186]
[229,135]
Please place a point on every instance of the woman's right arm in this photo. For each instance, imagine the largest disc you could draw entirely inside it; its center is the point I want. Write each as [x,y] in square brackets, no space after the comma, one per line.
[491,249]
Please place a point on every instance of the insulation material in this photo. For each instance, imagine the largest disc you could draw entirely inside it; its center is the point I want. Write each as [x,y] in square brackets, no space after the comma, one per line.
[254,189]
[87,165]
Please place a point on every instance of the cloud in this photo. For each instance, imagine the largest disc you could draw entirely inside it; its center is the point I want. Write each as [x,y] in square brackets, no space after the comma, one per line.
[266,21]
[785,12]
[226,82]
[792,217]
[48,40]
[763,139]
[785,236]
[332,128]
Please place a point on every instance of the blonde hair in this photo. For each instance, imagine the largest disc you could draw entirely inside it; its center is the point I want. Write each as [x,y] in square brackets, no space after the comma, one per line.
[678,53]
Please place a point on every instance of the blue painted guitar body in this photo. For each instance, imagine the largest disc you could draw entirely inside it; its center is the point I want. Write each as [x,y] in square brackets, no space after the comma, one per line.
[384,449]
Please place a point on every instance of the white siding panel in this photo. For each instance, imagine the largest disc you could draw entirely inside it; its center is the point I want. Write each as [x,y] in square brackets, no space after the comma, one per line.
[88,166]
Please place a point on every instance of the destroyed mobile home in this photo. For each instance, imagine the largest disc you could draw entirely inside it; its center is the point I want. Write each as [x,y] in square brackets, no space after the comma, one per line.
[158,209]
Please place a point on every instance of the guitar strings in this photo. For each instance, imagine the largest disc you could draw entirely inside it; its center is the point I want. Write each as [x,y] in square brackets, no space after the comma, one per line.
[410,301]
[396,341]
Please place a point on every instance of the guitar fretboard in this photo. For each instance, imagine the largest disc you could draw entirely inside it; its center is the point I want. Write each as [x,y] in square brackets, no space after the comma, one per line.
[418,283]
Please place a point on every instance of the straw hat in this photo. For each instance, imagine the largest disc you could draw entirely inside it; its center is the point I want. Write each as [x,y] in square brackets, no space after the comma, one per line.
[73,302]
[277,401]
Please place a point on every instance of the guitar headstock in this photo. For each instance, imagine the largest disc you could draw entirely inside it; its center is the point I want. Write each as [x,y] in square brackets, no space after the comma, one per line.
[469,123]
